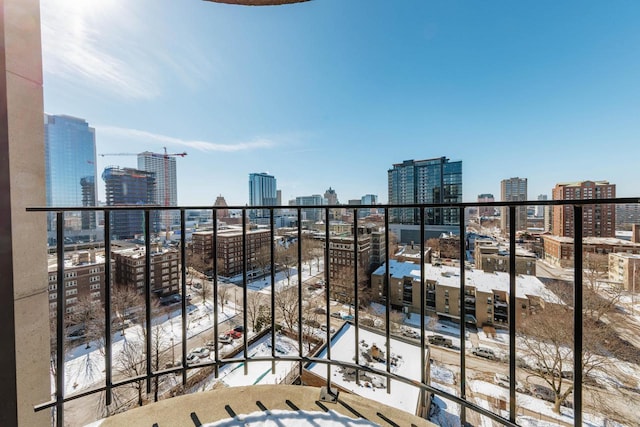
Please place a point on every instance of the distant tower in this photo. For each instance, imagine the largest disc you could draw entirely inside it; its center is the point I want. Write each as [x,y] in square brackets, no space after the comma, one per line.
[128,186]
[262,192]
[486,210]
[597,220]
[70,172]
[331,196]
[221,202]
[513,190]
[367,199]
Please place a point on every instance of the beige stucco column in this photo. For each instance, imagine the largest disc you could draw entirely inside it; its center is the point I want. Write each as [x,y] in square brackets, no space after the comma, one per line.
[24,319]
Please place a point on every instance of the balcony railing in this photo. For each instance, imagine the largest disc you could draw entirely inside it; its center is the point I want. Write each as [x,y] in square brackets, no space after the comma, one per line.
[150,372]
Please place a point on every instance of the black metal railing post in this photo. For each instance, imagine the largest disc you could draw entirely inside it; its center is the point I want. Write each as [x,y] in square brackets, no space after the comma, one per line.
[272,244]
[327,286]
[183,291]
[577,315]
[512,313]
[108,351]
[387,291]
[356,292]
[462,312]
[214,258]
[147,297]
[423,344]
[245,263]
[60,310]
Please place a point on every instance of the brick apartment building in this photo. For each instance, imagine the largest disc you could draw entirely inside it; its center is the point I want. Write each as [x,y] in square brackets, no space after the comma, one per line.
[84,280]
[559,250]
[624,268]
[229,252]
[486,297]
[164,268]
[598,220]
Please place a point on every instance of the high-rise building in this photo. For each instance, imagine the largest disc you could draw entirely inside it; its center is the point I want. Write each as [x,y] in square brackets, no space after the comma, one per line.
[262,192]
[425,181]
[166,194]
[486,210]
[128,186]
[314,200]
[331,196]
[367,199]
[513,190]
[70,170]
[598,220]
[221,202]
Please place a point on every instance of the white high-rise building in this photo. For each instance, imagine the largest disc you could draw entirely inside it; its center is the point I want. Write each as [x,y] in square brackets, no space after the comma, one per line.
[164,168]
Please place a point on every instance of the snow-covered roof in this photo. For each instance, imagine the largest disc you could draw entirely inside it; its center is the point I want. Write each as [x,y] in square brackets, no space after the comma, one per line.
[482,281]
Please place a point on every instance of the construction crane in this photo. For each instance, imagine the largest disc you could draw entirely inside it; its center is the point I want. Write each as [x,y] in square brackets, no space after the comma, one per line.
[164,156]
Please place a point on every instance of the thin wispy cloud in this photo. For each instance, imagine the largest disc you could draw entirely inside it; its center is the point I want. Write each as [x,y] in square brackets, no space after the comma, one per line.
[164,140]
[109,46]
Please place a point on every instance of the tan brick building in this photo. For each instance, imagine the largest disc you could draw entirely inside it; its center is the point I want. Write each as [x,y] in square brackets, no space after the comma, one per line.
[490,258]
[624,268]
[486,296]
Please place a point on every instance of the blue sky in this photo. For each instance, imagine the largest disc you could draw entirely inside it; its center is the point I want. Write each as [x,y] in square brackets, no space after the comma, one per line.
[333,92]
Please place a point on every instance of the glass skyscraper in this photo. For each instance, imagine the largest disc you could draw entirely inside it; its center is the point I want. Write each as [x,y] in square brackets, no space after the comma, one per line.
[425,181]
[262,192]
[128,186]
[70,171]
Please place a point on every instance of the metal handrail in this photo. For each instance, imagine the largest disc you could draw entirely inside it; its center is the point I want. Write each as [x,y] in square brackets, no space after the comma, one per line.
[110,384]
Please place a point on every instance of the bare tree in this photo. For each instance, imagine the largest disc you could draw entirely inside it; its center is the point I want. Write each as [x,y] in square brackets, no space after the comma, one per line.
[127,305]
[287,258]
[255,300]
[263,259]
[223,295]
[600,296]
[287,306]
[547,340]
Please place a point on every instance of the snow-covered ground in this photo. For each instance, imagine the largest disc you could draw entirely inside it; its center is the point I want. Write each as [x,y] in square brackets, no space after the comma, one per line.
[258,372]
[84,367]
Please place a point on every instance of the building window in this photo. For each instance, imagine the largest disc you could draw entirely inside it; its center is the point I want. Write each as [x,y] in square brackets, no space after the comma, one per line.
[71,292]
[94,286]
[53,296]
[53,286]
[95,295]
[53,277]
[70,283]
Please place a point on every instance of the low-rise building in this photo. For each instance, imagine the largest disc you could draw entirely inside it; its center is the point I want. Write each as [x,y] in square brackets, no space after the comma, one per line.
[624,268]
[491,257]
[558,250]
[486,295]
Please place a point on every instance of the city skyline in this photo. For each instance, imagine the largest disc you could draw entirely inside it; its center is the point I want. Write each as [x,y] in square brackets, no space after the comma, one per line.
[510,89]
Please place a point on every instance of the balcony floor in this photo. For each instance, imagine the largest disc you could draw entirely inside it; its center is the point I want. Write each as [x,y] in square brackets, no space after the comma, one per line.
[215,405]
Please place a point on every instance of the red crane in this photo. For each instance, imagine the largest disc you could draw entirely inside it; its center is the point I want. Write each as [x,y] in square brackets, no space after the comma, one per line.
[164,156]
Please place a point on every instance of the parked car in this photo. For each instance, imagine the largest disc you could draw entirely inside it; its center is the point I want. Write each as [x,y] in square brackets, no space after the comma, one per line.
[484,352]
[192,359]
[542,392]
[441,341]
[225,339]
[504,381]
[347,317]
[239,328]
[408,332]
[337,315]
[234,334]
[324,328]
[320,310]
[200,352]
